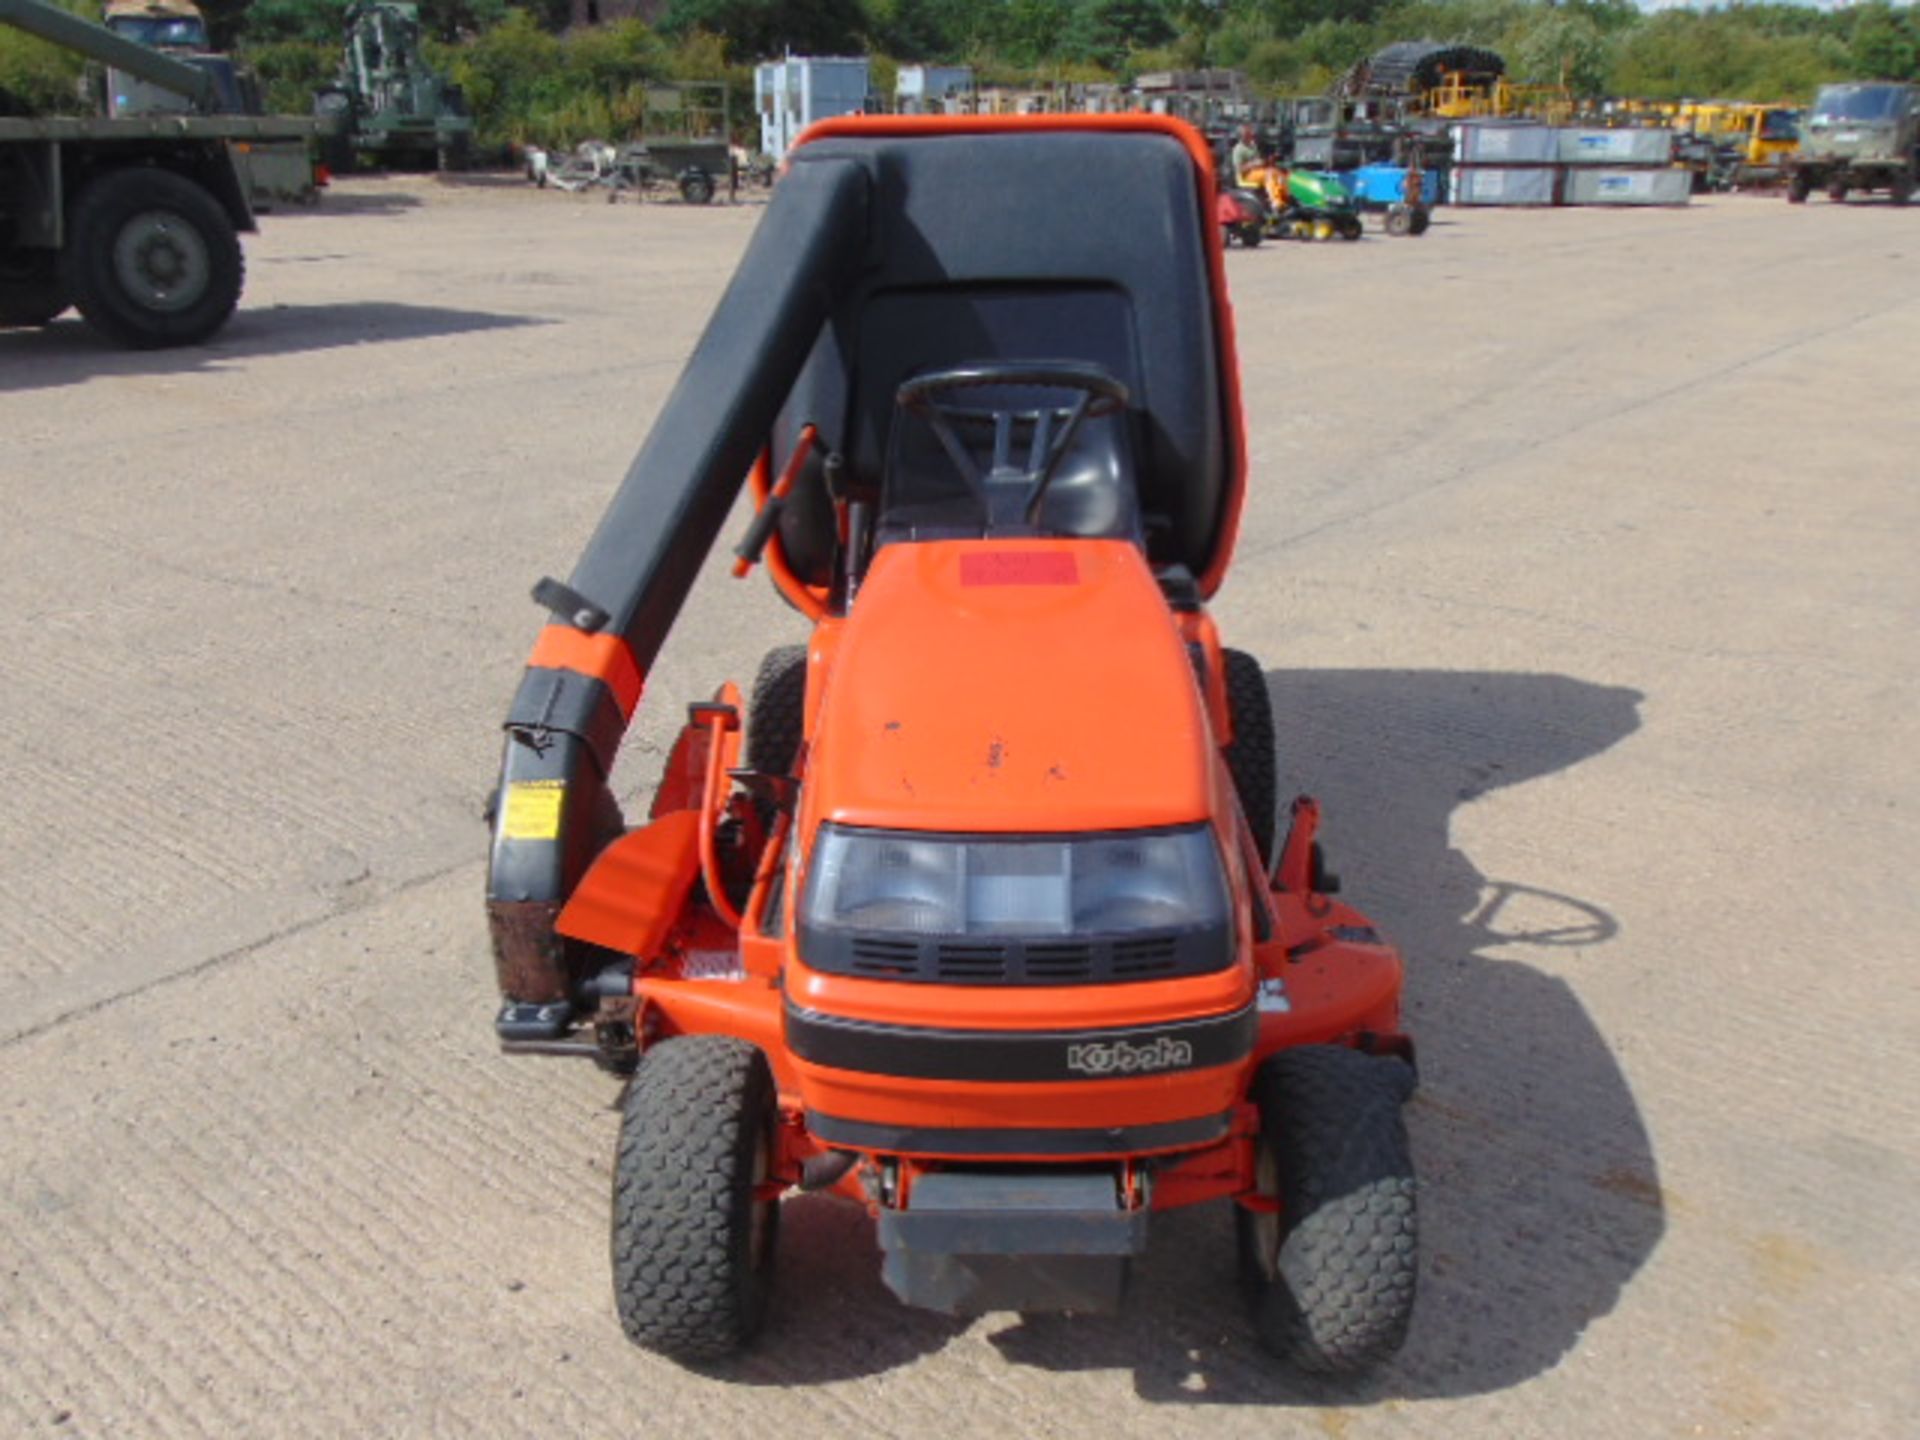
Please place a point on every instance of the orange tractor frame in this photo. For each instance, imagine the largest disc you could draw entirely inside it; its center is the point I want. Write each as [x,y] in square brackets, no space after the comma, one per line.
[979,914]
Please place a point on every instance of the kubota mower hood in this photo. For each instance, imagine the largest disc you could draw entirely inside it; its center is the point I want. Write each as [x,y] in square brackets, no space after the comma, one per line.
[953,728]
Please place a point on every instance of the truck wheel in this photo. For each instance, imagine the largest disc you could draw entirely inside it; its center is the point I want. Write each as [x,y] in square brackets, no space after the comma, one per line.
[1798,188]
[1837,192]
[31,290]
[1331,1274]
[694,1226]
[696,187]
[1251,756]
[776,715]
[154,259]
[1421,219]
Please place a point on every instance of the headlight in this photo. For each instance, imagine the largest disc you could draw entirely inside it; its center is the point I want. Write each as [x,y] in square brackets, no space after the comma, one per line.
[890,882]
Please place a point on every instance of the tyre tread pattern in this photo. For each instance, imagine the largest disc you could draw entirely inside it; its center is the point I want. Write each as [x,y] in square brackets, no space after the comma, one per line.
[776,714]
[684,1282]
[1349,1257]
[107,202]
[1251,755]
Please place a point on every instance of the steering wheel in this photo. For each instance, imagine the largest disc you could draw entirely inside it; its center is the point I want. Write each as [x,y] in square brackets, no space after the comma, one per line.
[1010,492]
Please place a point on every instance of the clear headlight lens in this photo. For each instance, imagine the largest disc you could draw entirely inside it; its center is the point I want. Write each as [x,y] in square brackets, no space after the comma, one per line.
[902,883]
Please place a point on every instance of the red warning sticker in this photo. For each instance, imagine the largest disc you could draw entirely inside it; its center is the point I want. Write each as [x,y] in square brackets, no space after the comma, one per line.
[1019,567]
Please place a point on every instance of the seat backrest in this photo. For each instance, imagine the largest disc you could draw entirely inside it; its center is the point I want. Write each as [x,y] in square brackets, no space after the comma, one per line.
[1078,245]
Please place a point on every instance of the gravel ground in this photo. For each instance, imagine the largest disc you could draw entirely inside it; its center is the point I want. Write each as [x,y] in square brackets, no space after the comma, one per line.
[1580,549]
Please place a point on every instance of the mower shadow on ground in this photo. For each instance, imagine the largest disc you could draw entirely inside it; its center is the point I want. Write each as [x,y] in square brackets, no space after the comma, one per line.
[832,1317]
[1540,1194]
[67,352]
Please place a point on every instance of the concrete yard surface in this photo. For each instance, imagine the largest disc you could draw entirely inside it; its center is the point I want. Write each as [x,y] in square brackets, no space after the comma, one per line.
[1580,550]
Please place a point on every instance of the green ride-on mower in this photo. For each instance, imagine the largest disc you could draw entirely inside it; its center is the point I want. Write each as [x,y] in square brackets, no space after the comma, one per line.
[1305,204]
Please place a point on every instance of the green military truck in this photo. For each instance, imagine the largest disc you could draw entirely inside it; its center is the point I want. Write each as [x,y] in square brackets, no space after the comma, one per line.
[393,108]
[1857,137]
[133,220]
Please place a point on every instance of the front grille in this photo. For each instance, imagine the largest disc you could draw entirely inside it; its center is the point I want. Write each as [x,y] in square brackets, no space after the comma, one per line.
[952,960]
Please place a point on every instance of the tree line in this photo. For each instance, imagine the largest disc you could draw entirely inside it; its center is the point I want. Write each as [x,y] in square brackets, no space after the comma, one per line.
[528,77]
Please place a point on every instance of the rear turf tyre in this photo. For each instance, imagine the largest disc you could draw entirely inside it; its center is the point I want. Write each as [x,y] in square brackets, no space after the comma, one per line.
[1251,755]
[1331,1276]
[776,715]
[1250,234]
[154,259]
[32,292]
[1421,219]
[693,1232]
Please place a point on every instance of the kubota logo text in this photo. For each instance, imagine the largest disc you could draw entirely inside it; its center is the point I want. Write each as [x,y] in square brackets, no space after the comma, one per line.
[1117,1057]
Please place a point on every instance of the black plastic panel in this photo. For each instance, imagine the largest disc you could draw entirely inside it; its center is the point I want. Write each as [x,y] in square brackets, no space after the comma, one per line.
[1016,1056]
[978,960]
[1067,246]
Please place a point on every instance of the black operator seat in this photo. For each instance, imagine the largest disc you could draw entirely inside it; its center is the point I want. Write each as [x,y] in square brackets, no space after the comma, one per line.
[1077,246]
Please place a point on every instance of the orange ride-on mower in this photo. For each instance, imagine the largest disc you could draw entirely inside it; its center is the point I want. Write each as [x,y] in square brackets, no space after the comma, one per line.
[976,914]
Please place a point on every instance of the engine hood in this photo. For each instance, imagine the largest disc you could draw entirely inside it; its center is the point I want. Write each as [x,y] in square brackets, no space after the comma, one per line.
[1010,686]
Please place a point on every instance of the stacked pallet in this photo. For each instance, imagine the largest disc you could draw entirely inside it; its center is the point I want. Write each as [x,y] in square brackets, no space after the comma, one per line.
[1529,164]
[1505,164]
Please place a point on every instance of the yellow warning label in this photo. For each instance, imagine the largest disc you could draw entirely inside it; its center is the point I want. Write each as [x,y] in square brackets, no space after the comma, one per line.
[533,810]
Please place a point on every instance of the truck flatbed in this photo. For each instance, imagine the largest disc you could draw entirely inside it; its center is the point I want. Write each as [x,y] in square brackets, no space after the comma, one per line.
[166,127]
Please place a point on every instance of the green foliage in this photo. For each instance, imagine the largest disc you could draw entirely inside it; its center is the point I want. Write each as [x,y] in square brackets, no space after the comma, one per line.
[528,78]
[526,86]
[756,29]
[290,71]
[311,22]
[1554,47]
[1885,42]
[1109,32]
[1679,54]
[38,78]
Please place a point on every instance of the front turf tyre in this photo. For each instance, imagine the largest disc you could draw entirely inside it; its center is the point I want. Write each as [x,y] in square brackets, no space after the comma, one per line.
[32,292]
[1331,1275]
[776,715]
[154,259]
[694,1224]
[1251,755]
